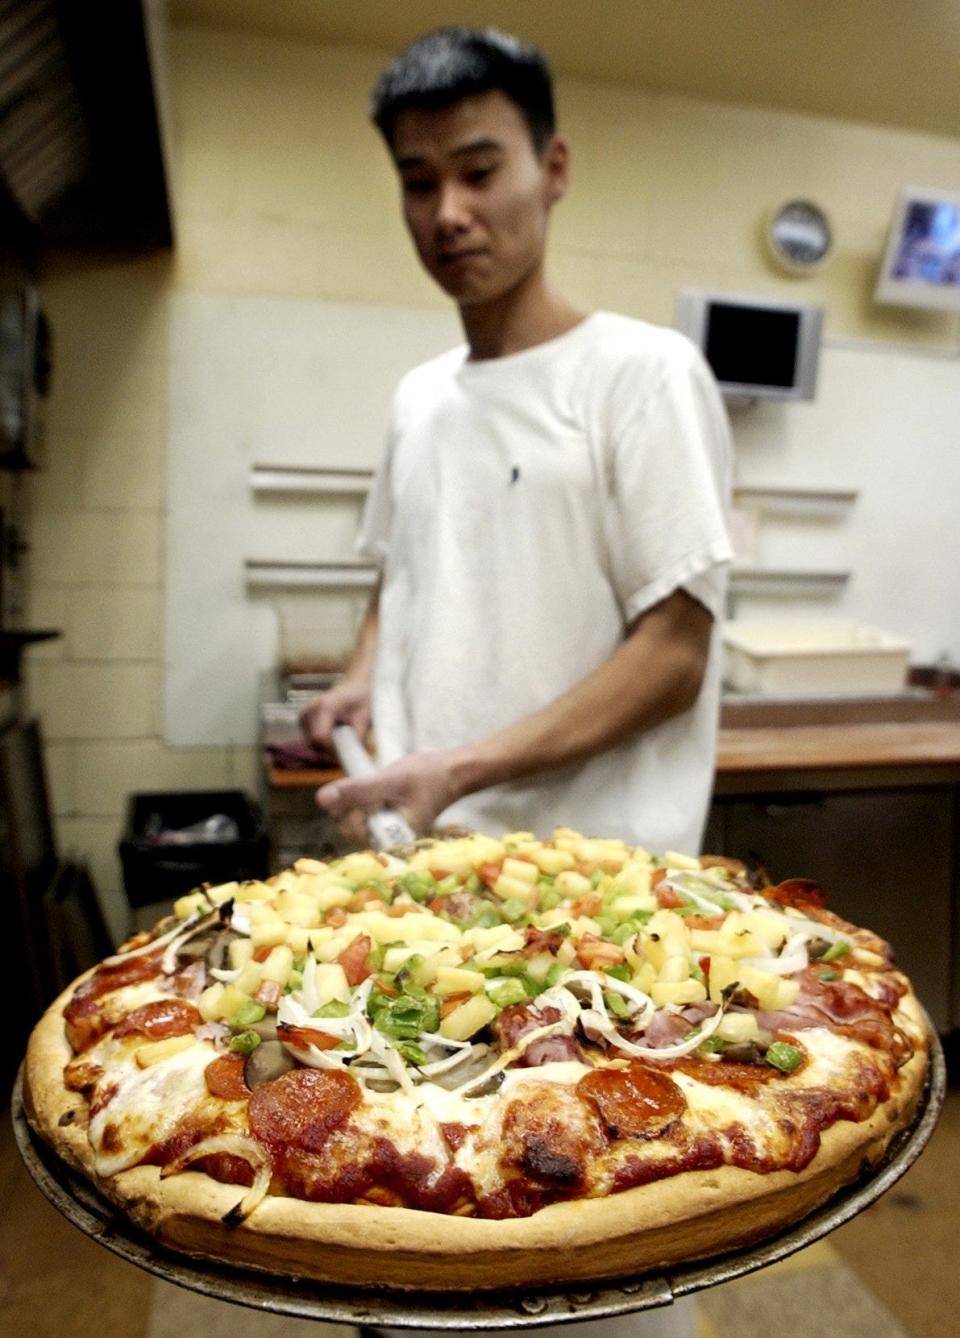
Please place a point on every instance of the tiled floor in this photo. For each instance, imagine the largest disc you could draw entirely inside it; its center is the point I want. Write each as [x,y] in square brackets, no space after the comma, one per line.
[887,1274]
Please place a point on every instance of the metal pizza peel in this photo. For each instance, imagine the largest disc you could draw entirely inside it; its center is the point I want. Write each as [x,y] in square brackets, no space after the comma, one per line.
[387,828]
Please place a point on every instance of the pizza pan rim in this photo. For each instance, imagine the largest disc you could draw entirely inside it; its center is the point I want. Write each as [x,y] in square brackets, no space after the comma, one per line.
[78,1201]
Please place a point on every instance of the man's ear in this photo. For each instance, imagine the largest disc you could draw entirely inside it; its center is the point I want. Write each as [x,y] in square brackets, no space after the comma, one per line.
[556,169]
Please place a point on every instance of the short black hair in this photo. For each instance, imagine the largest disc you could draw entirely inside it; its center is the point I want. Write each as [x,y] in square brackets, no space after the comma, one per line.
[453,63]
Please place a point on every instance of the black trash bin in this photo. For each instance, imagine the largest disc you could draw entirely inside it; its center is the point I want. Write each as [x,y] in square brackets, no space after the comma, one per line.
[156,871]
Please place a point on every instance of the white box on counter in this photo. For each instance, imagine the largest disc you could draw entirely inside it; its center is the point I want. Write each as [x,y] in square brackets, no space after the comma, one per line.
[813,658]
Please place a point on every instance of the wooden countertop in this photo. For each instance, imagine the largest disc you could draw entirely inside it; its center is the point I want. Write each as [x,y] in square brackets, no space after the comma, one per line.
[793,748]
[865,744]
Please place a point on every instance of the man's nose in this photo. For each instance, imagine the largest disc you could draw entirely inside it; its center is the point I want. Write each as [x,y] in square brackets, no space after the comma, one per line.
[452,211]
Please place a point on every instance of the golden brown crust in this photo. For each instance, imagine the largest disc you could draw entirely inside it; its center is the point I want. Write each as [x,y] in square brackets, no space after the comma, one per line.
[685,1217]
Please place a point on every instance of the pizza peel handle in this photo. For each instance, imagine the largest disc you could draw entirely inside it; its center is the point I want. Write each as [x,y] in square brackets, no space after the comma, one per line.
[387,828]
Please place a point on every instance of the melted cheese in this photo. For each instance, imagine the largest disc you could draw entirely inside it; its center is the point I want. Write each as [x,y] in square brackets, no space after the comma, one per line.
[147,1103]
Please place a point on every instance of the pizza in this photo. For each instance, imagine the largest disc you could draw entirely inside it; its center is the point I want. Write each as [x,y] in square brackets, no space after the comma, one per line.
[480,1063]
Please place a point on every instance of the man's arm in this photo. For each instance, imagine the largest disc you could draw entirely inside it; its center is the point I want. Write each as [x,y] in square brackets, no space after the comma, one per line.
[654,674]
[348,702]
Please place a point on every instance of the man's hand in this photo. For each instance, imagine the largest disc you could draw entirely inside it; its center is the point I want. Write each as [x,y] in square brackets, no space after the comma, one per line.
[347,703]
[418,786]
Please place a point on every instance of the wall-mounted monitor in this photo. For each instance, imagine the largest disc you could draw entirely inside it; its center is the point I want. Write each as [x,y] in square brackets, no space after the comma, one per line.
[756,348]
[921,266]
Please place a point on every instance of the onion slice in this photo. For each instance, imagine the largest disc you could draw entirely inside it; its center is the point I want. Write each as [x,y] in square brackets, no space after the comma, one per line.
[235,1145]
[146,948]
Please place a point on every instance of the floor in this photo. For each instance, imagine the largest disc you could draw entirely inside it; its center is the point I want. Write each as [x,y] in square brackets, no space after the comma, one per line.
[886,1274]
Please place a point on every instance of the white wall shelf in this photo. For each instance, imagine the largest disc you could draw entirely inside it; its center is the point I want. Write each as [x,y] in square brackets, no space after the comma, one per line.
[261,574]
[266,478]
[820,503]
[762,582]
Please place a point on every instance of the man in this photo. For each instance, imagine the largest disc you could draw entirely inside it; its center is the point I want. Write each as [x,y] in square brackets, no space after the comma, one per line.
[549,514]
[548,518]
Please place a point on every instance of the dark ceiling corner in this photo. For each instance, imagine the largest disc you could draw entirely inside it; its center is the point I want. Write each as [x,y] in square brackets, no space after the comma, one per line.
[81,153]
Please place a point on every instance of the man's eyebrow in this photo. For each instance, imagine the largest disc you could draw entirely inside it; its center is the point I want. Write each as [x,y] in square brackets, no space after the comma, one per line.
[413,160]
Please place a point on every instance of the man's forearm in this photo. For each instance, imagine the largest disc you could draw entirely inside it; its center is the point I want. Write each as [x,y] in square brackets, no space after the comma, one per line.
[655,674]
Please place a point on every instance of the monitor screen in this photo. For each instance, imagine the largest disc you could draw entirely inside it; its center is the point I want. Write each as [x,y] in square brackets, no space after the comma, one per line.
[921,267]
[757,347]
[749,345]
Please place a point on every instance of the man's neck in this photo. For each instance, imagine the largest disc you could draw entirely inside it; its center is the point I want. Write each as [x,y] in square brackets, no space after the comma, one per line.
[526,316]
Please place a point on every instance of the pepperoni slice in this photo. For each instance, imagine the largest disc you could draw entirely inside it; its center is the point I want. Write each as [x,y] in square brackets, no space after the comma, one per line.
[302,1108]
[634,1102]
[801,893]
[84,1016]
[161,1019]
[224,1078]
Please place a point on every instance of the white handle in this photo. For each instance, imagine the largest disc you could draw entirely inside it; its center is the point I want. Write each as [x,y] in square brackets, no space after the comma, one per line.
[354,758]
[387,828]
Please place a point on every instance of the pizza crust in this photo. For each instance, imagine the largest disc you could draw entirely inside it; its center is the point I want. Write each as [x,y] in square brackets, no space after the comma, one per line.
[671,1221]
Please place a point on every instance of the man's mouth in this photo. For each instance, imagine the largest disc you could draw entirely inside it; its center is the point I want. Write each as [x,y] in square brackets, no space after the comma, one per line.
[454,258]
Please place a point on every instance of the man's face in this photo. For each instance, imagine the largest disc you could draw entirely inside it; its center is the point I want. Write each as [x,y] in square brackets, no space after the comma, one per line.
[476,195]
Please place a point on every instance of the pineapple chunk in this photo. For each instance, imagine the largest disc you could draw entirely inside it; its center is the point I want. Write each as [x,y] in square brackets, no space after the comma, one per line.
[254,890]
[268,934]
[154,1052]
[330,983]
[248,981]
[233,997]
[190,904]
[644,977]
[467,1020]
[278,965]
[239,953]
[738,1028]
[672,859]
[551,861]
[425,972]
[573,884]
[675,969]
[221,893]
[309,866]
[208,1003]
[520,869]
[677,992]
[456,979]
[361,865]
[768,926]
[506,888]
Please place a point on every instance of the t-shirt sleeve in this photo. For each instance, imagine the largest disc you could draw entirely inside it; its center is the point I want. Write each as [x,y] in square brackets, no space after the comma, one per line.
[669,487]
[376,520]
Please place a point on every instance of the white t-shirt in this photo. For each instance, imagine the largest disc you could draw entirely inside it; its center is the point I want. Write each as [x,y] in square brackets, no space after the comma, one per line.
[527,509]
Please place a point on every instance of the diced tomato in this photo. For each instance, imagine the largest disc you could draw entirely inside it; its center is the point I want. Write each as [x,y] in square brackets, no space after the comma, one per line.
[657,877]
[667,898]
[354,961]
[262,953]
[489,872]
[453,1001]
[368,898]
[705,966]
[269,993]
[437,905]
[596,953]
[704,921]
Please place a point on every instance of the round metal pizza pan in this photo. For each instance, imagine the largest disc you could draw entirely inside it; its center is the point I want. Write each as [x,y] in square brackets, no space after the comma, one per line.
[81,1204]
